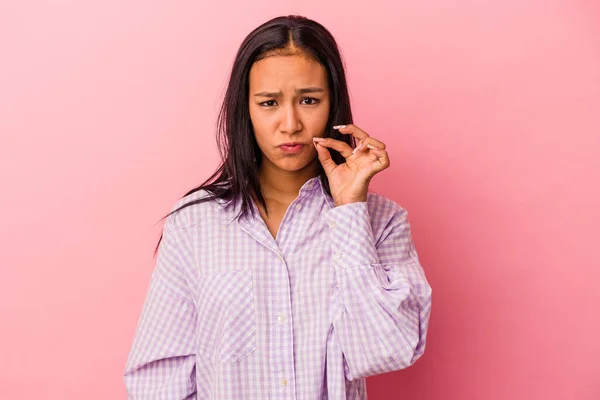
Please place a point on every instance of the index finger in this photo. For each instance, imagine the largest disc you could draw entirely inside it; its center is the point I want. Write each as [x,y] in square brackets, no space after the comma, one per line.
[353,130]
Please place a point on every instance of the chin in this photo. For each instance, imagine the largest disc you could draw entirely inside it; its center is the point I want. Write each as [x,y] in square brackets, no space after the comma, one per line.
[295,165]
[292,167]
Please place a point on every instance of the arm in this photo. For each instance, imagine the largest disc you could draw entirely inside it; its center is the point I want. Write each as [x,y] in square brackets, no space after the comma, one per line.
[383,301]
[161,362]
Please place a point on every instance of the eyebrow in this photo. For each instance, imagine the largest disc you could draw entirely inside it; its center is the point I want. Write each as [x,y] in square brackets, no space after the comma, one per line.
[298,91]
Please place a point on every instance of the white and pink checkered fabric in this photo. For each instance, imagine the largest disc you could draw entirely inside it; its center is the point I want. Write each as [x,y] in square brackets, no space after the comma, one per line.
[232,313]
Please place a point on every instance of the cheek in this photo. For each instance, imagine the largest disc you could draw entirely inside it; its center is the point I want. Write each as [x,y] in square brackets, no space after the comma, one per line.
[261,121]
[323,112]
[318,120]
[258,126]
[260,139]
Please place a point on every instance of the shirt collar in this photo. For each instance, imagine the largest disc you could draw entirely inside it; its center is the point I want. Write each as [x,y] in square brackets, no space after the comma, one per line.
[231,210]
[315,184]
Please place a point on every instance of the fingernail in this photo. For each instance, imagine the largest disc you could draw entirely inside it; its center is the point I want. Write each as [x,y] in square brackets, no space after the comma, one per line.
[356,148]
[318,139]
[339,126]
[370,146]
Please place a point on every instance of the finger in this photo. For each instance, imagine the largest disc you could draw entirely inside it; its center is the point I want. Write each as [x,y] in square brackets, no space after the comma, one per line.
[353,130]
[372,143]
[369,144]
[325,158]
[383,159]
[372,157]
[343,148]
[357,148]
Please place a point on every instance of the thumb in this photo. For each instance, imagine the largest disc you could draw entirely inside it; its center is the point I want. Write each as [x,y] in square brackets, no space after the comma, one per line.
[325,158]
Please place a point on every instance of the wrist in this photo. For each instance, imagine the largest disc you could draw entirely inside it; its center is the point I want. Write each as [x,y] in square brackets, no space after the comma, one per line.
[342,202]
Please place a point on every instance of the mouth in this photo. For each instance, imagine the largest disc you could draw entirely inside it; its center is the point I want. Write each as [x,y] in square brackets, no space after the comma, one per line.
[292,148]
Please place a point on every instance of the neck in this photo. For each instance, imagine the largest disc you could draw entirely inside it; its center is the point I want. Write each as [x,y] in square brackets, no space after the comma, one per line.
[284,186]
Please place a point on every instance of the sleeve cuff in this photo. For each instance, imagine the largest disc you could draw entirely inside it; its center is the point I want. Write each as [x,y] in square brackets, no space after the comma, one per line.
[352,241]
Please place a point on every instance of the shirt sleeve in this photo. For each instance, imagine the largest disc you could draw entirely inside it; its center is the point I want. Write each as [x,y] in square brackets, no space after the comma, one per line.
[161,362]
[382,304]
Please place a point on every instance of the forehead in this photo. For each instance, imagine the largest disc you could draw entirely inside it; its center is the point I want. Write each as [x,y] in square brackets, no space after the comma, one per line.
[278,71]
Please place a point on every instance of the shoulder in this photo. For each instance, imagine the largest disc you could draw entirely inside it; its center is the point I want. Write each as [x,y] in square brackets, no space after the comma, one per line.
[385,212]
[381,206]
[191,208]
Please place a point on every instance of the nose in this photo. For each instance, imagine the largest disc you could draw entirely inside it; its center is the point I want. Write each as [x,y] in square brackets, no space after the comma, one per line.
[290,120]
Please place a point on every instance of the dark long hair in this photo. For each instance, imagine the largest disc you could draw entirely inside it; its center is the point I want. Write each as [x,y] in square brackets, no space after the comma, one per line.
[236,178]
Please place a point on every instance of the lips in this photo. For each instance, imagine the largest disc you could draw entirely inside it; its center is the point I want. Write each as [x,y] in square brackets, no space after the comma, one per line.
[292,148]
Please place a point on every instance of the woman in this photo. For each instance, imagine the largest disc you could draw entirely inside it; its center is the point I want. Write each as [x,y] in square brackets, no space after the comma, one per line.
[280,277]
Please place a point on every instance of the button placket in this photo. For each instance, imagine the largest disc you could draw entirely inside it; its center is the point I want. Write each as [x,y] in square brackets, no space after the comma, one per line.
[283,358]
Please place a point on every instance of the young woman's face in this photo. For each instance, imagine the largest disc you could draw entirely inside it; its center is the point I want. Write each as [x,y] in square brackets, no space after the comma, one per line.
[289,105]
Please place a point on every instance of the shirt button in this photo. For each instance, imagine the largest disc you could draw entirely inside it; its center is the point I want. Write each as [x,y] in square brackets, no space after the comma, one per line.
[338,255]
[279,257]
[332,224]
[280,319]
[284,382]
[298,207]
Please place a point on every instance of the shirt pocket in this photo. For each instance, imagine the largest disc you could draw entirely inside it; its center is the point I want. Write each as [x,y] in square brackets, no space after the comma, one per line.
[226,321]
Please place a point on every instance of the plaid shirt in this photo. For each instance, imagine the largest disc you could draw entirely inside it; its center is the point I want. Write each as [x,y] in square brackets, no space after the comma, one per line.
[232,313]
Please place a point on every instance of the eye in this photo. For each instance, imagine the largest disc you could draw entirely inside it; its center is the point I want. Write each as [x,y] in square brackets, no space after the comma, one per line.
[310,101]
[268,103]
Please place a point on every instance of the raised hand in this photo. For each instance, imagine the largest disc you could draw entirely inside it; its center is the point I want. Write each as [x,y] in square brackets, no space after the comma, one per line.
[349,181]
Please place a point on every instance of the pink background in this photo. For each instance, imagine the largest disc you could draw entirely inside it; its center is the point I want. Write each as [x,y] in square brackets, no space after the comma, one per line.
[491,114]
